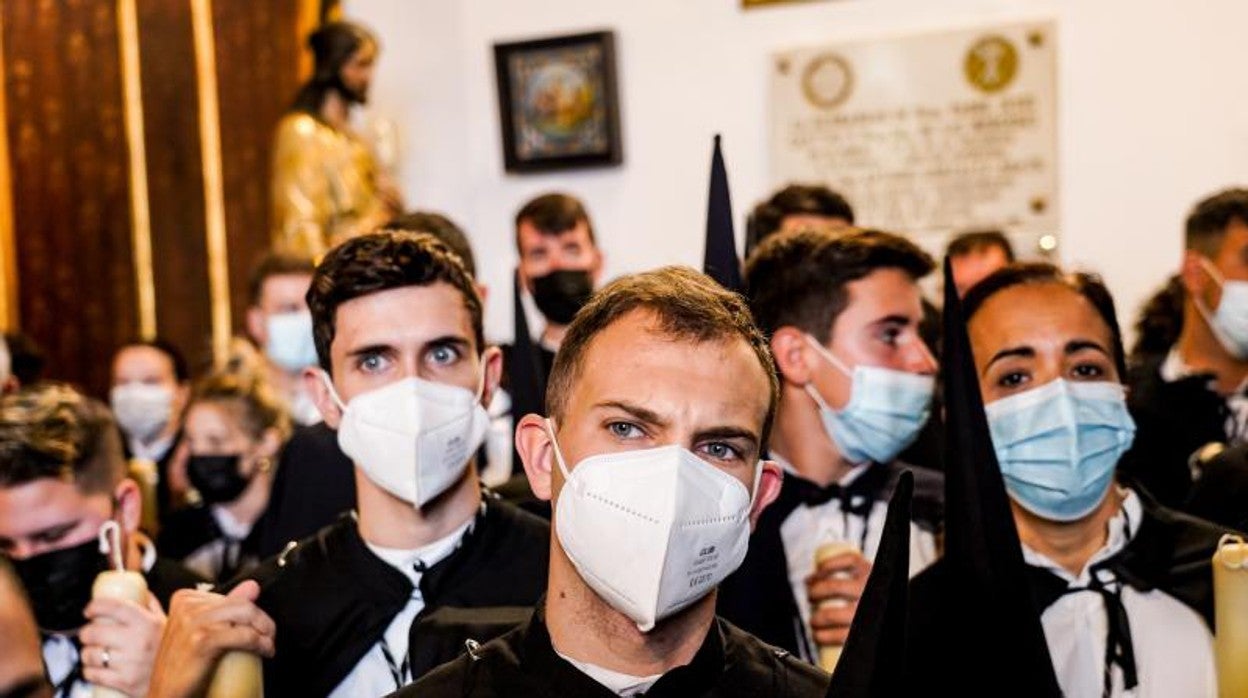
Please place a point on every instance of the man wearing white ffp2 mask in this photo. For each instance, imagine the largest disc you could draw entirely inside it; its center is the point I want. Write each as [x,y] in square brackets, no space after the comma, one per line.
[654,466]
[403,373]
[856,380]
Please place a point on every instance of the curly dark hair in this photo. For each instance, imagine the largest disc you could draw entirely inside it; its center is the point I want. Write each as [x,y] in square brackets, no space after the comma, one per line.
[440,227]
[1160,321]
[379,262]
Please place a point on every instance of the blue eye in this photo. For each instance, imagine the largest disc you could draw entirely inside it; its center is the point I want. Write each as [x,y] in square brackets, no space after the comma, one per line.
[372,363]
[444,355]
[722,451]
[625,430]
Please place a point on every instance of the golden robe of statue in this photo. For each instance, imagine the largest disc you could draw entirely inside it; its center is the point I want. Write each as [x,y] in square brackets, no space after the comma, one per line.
[325,186]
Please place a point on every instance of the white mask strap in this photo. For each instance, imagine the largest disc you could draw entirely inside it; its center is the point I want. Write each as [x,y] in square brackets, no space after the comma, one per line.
[554,442]
[1213,272]
[758,477]
[329,383]
[828,355]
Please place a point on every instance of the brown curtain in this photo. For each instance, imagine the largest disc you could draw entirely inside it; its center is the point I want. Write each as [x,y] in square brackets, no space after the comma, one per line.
[66,130]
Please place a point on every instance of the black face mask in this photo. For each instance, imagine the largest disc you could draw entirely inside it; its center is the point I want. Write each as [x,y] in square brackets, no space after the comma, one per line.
[216,477]
[59,583]
[561,293]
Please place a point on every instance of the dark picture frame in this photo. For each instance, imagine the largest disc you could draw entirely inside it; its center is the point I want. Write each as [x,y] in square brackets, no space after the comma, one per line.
[557,102]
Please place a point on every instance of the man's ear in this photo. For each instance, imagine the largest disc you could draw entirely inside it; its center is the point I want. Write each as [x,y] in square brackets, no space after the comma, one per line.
[537,452]
[129,505]
[314,382]
[492,368]
[769,482]
[483,291]
[256,328]
[793,355]
[1194,275]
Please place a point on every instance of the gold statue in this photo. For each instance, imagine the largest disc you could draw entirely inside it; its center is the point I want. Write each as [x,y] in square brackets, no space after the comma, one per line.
[327,185]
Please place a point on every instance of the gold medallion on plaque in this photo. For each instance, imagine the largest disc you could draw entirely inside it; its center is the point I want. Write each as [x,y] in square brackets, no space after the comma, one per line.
[991,64]
[827,81]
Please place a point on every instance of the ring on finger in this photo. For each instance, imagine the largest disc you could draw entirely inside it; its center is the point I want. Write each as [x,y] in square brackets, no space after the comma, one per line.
[106,658]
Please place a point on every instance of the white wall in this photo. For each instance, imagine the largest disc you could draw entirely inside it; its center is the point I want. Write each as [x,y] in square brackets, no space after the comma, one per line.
[1153,114]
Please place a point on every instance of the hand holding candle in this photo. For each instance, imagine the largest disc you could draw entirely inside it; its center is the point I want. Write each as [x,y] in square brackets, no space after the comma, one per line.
[840,575]
[125,623]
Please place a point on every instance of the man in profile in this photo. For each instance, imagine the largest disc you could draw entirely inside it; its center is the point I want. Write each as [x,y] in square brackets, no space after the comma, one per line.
[327,185]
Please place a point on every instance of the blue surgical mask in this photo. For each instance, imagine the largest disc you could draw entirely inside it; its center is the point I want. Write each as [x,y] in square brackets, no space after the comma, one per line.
[290,342]
[1230,321]
[1058,445]
[885,412]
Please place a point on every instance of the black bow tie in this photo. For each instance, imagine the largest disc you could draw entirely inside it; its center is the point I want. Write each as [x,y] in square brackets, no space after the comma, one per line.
[857,498]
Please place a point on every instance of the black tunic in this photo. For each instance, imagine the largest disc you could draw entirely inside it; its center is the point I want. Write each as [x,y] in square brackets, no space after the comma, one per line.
[1170,552]
[1173,420]
[313,486]
[191,528]
[1220,494]
[332,598]
[166,577]
[758,597]
[523,663]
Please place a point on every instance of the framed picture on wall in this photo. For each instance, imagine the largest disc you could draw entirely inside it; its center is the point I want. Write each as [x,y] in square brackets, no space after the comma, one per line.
[557,102]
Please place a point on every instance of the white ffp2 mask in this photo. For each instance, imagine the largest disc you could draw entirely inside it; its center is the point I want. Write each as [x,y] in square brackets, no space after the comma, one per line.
[143,410]
[652,531]
[412,438]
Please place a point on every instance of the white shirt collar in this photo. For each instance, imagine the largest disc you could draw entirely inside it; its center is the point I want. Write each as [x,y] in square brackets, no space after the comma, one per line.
[230,526]
[424,557]
[1121,529]
[619,683]
[153,451]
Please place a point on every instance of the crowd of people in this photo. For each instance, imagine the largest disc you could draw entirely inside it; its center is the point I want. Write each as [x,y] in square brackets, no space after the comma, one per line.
[667,489]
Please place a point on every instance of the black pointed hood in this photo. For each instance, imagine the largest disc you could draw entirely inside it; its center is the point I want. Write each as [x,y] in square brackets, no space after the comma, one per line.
[719,260]
[872,665]
[1007,653]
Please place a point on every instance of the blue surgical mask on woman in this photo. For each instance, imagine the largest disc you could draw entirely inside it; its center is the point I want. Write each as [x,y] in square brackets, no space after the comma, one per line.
[1058,445]
[886,410]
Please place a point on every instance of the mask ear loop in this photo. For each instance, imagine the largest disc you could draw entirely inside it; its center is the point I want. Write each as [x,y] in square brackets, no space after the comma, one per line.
[758,477]
[828,355]
[329,383]
[554,442]
[110,544]
[1205,313]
